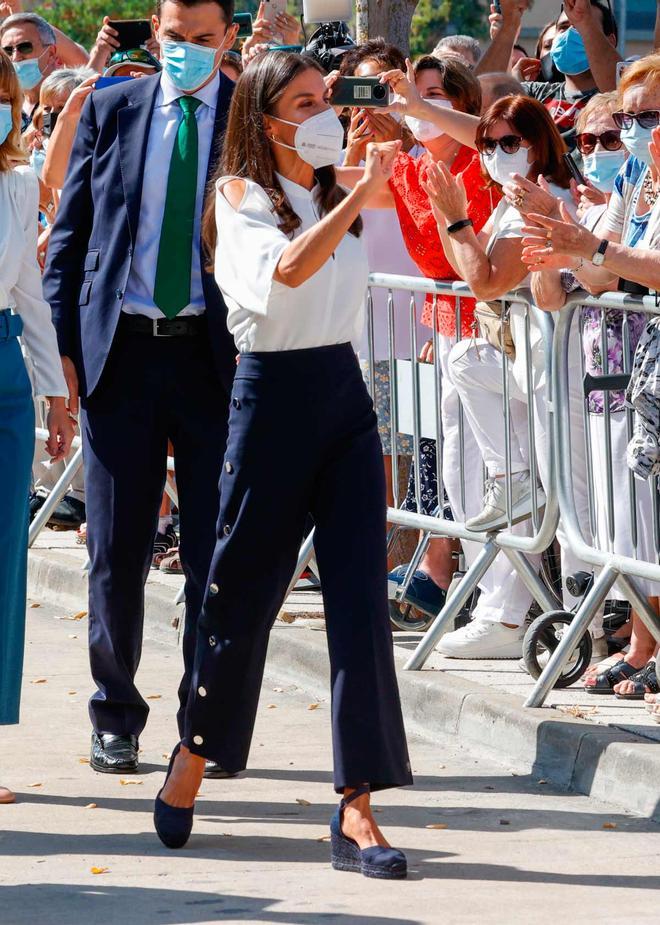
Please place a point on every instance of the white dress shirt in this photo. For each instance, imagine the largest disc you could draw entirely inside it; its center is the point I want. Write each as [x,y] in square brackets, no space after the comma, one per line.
[20,277]
[165,121]
[265,315]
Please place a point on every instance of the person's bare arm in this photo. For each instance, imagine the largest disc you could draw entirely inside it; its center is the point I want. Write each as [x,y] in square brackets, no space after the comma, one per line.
[602,55]
[547,290]
[498,54]
[349,177]
[70,53]
[64,133]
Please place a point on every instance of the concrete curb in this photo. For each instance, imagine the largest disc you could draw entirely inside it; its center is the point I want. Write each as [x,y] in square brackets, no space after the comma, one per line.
[614,766]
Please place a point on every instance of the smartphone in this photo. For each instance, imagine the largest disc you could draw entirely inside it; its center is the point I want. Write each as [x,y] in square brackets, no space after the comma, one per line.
[574,170]
[109,82]
[365,92]
[48,121]
[498,7]
[272,8]
[131,33]
[244,22]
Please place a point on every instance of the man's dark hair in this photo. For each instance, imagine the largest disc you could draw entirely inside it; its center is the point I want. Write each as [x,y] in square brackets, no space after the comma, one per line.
[383,53]
[227,6]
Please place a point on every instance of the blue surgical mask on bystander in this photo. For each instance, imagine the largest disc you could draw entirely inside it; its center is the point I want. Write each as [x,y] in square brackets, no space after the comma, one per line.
[187,65]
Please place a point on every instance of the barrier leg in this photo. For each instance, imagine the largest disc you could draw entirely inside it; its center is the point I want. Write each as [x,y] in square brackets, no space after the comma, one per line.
[304,558]
[587,611]
[640,604]
[530,578]
[58,492]
[181,596]
[453,606]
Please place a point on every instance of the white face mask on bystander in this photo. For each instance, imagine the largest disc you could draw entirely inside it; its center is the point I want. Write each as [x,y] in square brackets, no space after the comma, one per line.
[422,129]
[501,165]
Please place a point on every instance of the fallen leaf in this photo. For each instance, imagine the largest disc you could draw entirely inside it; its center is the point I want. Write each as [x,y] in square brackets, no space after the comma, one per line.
[35,785]
[35,605]
[83,761]
[609,825]
[73,692]
[154,696]
[302,802]
[126,783]
[100,870]
[40,681]
[438,825]
[91,806]
[313,706]
[323,838]
[80,615]
[272,706]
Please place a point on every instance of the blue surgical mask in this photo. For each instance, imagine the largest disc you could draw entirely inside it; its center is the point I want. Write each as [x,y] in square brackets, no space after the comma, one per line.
[28,73]
[37,158]
[601,168]
[6,121]
[637,139]
[568,52]
[187,65]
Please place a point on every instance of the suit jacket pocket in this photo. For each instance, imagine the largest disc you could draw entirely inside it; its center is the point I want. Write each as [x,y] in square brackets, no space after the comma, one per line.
[91,261]
[85,293]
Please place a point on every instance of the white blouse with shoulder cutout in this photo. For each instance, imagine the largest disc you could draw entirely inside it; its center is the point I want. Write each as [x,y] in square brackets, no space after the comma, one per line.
[265,315]
[20,278]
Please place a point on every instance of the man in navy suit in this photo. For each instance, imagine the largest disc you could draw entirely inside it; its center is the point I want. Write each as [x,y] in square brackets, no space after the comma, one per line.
[141,328]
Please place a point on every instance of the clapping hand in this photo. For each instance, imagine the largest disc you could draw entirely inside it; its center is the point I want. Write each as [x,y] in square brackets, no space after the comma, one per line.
[528,197]
[446,194]
[549,243]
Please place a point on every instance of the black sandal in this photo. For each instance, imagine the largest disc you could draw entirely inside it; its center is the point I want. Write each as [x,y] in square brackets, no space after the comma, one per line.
[645,681]
[605,682]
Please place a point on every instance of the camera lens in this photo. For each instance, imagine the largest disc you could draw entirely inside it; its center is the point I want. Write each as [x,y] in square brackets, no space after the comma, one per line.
[379,92]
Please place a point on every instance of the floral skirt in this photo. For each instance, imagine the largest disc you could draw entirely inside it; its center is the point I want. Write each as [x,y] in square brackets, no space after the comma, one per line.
[381,395]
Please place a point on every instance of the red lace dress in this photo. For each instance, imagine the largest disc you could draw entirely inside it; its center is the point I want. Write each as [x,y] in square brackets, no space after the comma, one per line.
[420,231]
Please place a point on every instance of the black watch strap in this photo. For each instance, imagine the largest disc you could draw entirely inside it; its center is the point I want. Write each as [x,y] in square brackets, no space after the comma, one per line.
[457,226]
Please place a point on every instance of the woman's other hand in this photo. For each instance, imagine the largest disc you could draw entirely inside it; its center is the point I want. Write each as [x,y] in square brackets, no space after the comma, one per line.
[379,163]
[528,197]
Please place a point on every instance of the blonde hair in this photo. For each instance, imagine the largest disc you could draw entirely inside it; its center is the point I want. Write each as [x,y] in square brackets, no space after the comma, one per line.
[601,102]
[11,150]
[645,71]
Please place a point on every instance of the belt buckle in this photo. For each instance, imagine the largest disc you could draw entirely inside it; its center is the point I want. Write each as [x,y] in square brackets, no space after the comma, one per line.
[155,331]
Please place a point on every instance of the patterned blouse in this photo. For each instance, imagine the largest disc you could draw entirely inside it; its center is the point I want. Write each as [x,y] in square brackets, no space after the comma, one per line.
[420,231]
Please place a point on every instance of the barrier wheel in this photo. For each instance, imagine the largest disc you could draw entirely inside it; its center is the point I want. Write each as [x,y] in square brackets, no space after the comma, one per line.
[404,616]
[541,640]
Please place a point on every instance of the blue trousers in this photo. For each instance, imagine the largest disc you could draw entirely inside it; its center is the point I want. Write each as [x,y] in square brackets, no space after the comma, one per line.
[152,389]
[16,451]
[302,438]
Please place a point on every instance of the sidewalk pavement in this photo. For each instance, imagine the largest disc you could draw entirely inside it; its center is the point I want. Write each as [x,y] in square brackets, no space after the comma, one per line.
[484,845]
[585,744]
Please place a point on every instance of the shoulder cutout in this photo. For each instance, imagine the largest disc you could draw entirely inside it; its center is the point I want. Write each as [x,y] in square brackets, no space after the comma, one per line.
[234,191]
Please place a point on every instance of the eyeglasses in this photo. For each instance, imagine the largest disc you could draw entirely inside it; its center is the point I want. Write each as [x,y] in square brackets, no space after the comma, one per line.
[650,118]
[610,140]
[23,48]
[508,143]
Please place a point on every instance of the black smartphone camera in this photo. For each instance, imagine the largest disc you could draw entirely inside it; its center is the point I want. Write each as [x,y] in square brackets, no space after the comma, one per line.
[244,22]
[364,92]
[574,170]
[131,33]
[48,121]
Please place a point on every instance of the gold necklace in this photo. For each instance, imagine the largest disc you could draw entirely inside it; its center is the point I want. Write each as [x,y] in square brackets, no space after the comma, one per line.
[650,194]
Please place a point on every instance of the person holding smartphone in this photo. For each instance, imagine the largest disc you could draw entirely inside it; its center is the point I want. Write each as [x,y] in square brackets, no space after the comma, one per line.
[290,262]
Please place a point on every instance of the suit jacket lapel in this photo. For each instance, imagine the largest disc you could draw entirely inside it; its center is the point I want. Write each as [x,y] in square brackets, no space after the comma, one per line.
[133,121]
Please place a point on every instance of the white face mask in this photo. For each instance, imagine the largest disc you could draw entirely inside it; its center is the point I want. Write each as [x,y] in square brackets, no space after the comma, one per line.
[422,129]
[319,140]
[501,165]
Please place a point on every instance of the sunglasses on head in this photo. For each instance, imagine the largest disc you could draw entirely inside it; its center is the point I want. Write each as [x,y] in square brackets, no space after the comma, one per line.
[650,118]
[610,140]
[23,48]
[508,143]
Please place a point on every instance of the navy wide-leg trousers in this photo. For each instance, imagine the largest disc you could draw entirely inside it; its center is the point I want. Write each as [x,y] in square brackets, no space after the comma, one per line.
[152,389]
[302,438]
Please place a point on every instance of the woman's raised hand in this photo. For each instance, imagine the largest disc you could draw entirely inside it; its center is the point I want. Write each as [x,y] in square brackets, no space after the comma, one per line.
[528,197]
[405,88]
[446,194]
[379,163]
[549,243]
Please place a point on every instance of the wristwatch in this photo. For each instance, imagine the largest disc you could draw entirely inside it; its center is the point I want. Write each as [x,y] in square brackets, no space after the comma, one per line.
[598,258]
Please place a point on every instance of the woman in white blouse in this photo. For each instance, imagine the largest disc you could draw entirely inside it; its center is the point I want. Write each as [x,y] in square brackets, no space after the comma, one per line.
[22,311]
[302,439]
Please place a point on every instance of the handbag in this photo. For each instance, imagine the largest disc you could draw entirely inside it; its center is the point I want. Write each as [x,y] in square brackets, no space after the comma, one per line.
[493,322]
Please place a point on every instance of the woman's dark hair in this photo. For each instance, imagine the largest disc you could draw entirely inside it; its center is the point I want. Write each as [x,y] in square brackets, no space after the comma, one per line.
[386,56]
[533,122]
[458,81]
[246,151]
[539,42]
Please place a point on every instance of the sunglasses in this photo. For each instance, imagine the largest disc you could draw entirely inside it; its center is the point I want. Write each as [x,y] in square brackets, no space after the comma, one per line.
[650,118]
[23,48]
[508,143]
[610,140]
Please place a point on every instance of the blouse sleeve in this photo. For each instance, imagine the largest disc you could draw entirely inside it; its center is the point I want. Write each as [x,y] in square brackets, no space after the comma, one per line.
[249,247]
[38,332]
[616,208]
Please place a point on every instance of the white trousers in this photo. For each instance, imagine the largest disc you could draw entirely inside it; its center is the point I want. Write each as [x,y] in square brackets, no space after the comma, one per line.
[504,598]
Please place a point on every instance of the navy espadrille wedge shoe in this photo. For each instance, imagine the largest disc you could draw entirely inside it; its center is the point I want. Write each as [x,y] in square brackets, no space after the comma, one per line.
[381,863]
[173,823]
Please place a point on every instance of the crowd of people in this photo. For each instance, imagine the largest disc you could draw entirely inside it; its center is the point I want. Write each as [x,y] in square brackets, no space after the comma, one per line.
[186,232]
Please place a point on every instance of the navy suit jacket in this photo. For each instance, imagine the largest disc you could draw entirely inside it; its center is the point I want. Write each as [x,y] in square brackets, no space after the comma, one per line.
[92,241]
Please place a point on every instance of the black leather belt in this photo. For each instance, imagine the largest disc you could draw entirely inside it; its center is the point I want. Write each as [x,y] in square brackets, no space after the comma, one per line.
[190,326]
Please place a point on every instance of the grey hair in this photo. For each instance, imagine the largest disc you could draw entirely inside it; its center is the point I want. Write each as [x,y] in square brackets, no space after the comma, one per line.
[462,43]
[502,84]
[66,79]
[45,30]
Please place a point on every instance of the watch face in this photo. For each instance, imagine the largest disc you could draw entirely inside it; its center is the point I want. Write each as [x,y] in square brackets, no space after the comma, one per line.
[598,259]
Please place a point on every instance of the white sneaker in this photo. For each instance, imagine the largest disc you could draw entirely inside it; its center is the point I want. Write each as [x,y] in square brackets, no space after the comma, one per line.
[493,516]
[483,639]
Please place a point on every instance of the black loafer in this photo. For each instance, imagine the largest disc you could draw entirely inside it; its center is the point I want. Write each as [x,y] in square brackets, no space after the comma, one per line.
[68,515]
[214,771]
[113,754]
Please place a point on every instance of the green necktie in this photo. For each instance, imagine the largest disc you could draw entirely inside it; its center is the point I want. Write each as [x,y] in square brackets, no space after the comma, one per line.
[172,285]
